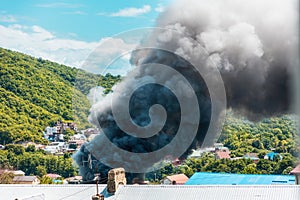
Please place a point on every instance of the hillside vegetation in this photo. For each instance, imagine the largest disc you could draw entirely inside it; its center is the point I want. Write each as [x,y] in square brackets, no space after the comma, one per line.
[276,134]
[35,93]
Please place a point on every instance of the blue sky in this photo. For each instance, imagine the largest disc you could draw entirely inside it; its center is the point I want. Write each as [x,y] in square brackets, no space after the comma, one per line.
[67,31]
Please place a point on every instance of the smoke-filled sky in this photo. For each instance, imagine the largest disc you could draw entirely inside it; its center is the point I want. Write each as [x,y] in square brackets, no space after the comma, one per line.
[253,43]
[246,49]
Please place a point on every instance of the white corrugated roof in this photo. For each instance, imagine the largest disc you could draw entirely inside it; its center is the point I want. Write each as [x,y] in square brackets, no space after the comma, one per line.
[49,192]
[153,192]
[176,192]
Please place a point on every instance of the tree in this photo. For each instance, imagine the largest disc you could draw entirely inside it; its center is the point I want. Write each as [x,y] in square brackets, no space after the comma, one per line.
[265,166]
[250,169]
[6,178]
[46,180]
[16,149]
[30,148]
[41,171]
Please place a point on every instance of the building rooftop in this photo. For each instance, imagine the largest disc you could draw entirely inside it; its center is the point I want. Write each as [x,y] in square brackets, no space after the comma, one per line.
[205,178]
[152,192]
[179,192]
[222,154]
[49,192]
[178,178]
[24,178]
[53,176]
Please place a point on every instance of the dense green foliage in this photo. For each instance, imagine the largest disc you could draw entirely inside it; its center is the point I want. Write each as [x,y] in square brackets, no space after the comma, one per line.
[278,134]
[36,93]
[35,162]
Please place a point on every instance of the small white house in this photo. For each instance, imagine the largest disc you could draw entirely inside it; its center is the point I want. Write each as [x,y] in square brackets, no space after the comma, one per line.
[55,147]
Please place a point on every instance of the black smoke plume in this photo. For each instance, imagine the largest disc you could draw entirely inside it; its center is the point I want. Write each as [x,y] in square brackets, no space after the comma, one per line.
[254,46]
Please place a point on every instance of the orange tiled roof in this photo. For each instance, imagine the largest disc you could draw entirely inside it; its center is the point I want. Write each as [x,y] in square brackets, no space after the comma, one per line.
[222,154]
[178,178]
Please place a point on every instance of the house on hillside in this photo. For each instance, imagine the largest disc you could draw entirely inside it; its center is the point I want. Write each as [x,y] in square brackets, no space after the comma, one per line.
[56,132]
[222,155]
[252,156]
[14,172]
[53,176]
[33,180]
[55,147]
[272,156]
[220,147]
[177,179]
[18,172]
[74,180]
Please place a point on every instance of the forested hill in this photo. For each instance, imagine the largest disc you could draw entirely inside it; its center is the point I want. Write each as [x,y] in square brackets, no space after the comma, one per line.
[36,93]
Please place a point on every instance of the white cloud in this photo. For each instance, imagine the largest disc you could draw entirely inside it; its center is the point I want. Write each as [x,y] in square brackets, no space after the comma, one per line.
[159,8]
[108,56]
[131,12]
[39,42]
[7,18]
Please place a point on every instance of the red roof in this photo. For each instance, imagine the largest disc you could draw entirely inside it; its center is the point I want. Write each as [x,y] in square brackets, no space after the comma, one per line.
[222,154]
[296,170]
[178,179]
[53,176]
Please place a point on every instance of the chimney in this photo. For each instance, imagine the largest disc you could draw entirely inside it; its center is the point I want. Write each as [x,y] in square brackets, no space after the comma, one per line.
[116,177]
[98,197]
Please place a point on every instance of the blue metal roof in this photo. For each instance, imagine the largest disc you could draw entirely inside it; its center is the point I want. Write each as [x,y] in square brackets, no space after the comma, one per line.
[205,178]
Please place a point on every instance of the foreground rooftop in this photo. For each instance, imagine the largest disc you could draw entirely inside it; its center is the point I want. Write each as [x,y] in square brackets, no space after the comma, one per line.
[153,192]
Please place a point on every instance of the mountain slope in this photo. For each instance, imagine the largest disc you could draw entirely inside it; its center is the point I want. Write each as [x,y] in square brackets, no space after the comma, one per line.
[35,93]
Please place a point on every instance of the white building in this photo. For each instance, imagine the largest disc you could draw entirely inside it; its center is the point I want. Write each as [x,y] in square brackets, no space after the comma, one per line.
[55,147]
[152,192]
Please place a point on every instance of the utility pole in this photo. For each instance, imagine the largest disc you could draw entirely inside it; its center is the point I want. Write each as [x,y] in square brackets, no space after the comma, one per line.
[97,177]
[97,196]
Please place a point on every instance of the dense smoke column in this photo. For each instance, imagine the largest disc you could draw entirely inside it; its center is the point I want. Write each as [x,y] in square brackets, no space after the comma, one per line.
[253,45]
[150,94]
[139,107]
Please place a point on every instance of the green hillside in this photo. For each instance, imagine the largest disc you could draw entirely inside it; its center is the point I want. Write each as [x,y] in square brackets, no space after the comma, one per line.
[35,93]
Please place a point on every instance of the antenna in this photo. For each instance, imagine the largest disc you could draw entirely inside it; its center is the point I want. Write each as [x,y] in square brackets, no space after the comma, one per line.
[89,161]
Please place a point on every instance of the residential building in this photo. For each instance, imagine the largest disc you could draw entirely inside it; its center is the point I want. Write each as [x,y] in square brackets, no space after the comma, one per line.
[74,180]
[53,176]
[177,179]
[272,156]
[56,132]
[55,147]
[252,156]
[152,192]
[14,172]
[222,155]
[33,180]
